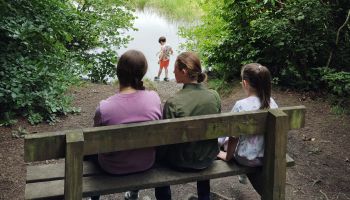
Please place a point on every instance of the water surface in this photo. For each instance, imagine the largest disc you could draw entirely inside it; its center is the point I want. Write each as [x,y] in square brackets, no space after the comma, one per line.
[150,27]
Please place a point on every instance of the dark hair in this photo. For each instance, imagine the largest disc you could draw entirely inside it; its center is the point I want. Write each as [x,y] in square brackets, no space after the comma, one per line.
[191,62]
[162,39]
[259,78]
[131,68]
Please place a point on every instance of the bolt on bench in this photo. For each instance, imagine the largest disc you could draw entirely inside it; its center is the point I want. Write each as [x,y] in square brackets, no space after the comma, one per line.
[75,178]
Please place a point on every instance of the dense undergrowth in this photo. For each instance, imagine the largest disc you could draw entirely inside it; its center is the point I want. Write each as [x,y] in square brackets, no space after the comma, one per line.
[304,43]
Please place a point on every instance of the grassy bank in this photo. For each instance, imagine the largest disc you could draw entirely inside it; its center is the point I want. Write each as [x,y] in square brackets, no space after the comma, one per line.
[179,10]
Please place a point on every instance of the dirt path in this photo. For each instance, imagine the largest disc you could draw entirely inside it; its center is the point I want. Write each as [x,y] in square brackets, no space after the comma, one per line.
[321,149]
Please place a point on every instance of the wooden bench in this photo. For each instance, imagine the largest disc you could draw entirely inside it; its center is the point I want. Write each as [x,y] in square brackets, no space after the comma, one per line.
[74,178]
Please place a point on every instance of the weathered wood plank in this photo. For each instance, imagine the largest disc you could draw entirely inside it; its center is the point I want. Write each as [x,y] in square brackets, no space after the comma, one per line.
[107,139]
[49,172]
[154,133]
[274,168]
[74,165]
[52,142]
[296,116]
[106,184]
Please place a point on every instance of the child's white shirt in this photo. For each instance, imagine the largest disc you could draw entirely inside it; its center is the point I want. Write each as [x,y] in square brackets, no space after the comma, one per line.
[165,51]
[249,146]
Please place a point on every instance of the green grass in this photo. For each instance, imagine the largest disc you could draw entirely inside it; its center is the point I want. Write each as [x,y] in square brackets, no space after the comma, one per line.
[224,88]
[339,110]
[179,10]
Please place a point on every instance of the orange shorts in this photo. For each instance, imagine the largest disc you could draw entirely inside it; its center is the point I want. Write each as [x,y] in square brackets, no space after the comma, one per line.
[164,63]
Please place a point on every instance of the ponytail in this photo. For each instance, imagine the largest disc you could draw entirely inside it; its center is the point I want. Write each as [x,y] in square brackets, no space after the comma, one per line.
[137,84]
[202,77]
[259,79]
[190,61]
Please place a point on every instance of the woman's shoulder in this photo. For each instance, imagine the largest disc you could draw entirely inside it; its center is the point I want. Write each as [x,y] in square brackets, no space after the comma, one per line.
[214,92]
[151,93]
[248,100]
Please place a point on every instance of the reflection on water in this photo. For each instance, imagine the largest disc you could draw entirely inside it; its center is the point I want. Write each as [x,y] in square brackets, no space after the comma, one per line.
[150,27]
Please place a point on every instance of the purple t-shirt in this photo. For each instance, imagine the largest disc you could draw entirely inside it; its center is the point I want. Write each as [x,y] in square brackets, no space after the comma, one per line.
[123,109]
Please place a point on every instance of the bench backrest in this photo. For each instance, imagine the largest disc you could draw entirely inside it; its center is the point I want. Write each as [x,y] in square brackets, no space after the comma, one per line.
[52,145]
[73,144]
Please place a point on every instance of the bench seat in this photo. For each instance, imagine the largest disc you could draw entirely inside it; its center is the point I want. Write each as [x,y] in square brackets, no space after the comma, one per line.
[47,181]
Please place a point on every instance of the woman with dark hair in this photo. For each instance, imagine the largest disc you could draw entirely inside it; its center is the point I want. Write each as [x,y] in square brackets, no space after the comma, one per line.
[131,104]
[194,99]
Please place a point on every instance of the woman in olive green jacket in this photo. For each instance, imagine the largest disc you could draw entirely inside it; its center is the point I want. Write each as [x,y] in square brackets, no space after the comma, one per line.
[194,99]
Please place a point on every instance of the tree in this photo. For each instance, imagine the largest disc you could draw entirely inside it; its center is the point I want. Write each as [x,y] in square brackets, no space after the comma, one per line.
[44,48]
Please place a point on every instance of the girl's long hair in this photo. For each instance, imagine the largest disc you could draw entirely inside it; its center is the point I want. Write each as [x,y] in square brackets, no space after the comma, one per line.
[259,79]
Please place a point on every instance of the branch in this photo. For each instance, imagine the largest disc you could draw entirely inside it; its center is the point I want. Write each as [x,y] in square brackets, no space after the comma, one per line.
[337,39]
[324,194]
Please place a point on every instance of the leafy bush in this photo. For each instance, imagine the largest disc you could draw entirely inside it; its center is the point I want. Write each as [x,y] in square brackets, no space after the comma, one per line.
[293,38]
[338,83]
[44,45]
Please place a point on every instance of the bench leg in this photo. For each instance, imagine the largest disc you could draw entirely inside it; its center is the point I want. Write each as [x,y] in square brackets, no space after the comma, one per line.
[74,165]
[274,169]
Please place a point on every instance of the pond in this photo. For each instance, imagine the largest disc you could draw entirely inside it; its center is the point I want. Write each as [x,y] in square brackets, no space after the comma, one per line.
[150,27]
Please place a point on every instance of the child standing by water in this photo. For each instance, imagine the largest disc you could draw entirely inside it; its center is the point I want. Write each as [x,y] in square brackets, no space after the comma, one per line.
[248,150]
[164,58]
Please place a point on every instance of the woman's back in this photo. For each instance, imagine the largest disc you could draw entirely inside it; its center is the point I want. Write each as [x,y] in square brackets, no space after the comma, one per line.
[123,109]
[193,100]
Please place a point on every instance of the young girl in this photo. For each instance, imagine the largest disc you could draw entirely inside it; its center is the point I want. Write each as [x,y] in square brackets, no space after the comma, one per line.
[194,99]
[249,150]
[131,104]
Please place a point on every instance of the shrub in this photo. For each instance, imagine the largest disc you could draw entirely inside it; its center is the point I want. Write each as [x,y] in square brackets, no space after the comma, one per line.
[44,45]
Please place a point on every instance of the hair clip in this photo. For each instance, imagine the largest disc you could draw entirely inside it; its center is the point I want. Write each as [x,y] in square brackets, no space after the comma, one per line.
[259,67]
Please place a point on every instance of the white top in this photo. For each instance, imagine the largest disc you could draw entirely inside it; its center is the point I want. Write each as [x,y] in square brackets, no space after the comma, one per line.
[165,51]
[250,146]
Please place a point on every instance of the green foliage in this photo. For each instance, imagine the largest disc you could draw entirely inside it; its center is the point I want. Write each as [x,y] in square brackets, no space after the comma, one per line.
[292,38]
[339,110]
[338,83]
[220,85]
[104,66]
[204,37]
[44,48]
